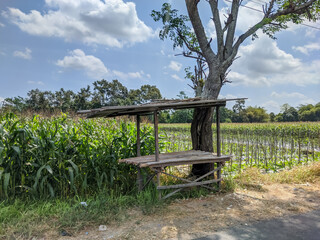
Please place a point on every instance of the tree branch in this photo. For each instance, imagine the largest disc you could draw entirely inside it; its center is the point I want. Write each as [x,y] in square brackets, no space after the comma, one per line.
[187,43]
[293,8]
[265,21]
[232,26]
[217,24]
[199,30]
[268,11]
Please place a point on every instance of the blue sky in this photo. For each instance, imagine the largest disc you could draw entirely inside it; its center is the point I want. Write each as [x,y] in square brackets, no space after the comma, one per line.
[53,44]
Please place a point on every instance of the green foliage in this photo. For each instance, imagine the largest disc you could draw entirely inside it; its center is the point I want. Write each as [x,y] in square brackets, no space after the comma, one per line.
[309,112]
[175,27]
[104,94]
[296,17]
[62,157]
[257,114]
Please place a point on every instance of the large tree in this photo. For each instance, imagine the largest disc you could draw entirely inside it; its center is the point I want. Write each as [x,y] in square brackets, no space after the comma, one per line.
[277,14]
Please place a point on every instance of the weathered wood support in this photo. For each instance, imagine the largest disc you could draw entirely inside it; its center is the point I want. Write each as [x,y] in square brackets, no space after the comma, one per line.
[192,184]
[156,135]
[139,174]
[218,131]
[219,164]
[156,138]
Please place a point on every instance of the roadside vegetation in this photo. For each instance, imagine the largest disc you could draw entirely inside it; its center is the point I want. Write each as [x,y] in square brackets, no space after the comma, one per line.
[60,173]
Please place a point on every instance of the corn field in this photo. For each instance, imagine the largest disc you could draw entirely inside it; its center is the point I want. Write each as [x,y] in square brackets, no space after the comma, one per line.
[63,157]
[271,146]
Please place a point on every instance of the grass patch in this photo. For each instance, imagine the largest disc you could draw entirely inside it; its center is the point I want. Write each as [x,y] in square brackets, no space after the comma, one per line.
[299,174]
[24,219]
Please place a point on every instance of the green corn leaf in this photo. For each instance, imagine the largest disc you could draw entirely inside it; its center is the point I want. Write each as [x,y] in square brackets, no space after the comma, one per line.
[1,157]
[1,172]
[71,174]
[6,181]
[75,167]
[16,149]
[49,169]
[42,183]
[51,190]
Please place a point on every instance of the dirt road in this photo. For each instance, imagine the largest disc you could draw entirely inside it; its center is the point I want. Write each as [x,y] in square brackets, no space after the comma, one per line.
[198,218]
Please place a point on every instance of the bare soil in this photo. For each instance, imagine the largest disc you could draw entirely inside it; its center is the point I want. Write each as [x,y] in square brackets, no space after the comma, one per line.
[192,218]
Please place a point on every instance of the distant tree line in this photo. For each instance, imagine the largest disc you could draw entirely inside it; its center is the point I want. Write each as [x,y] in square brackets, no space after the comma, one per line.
[102,93]
[241,114]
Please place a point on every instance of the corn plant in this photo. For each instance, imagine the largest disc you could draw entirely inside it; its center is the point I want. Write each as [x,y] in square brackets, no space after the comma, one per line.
[270,146]
[63,157]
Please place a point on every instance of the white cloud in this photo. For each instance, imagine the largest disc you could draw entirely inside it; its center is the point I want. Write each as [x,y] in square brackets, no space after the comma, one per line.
[262,63]
[1,24]
[34,82]
[113,23]
[130,75]
[271,106]
[293,99]
[306,49]
[176,77]
[247,17]
[94,67]
[298,97]
[25,55]
[211,30]
[78,60]
[175,66]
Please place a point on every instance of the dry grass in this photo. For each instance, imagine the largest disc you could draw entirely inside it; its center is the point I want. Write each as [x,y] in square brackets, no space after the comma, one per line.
[298,174]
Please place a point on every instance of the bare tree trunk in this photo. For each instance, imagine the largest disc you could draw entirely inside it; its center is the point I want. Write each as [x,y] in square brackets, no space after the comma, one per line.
[201,134]
[201,127]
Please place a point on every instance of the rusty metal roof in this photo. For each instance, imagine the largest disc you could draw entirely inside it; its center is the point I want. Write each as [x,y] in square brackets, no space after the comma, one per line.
[149,108]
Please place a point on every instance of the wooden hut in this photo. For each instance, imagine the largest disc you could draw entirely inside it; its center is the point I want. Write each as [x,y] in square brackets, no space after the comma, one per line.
[159,161]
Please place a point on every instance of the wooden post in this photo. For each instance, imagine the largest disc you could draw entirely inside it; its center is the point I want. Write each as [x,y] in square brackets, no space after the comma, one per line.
[156,137]
[138,136]
[218,144]
[139,175]
[219,175]
[218,131]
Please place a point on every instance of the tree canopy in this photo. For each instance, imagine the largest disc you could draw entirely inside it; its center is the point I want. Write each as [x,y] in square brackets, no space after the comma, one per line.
[104,93]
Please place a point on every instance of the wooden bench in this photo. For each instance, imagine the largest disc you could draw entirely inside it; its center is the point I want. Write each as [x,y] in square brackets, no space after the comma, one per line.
[178,159]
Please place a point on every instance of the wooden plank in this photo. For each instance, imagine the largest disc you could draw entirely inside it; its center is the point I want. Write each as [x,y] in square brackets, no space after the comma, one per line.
[184,185]
[146,161]
[112,111]
[165,156]
[185,161]
[195,158]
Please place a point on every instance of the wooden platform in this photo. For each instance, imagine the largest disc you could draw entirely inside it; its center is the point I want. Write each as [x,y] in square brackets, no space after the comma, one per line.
[158,161]
[176,159]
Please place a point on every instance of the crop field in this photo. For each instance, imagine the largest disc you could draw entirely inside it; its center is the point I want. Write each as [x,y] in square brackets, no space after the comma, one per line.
[65,157]
[270,146]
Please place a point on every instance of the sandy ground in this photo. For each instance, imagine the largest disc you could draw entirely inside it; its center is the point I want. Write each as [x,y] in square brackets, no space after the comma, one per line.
[194,218]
